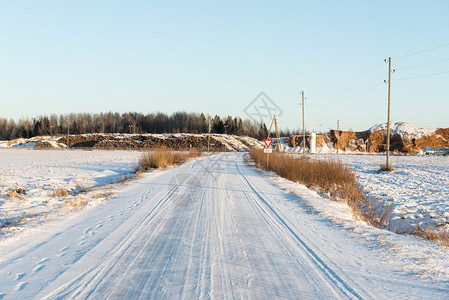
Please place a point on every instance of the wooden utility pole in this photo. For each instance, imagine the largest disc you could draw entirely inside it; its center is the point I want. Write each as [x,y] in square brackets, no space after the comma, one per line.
[388,118]
[338,133]
[278,136]
[208,137]
[68,134]
[303,128]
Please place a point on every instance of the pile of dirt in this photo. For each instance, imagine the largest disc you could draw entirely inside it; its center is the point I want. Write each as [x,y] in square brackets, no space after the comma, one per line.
[82,141]
[404,138]
[296,140]
[148,142]
[348,140]
[141,142]
[44,146]
[438,140]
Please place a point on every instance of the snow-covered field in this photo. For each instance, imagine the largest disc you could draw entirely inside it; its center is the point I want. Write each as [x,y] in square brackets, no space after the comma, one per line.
[418,189]
[217,228]
[33,183]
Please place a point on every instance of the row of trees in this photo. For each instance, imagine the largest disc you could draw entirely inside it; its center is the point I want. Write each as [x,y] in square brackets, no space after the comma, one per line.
[179,122]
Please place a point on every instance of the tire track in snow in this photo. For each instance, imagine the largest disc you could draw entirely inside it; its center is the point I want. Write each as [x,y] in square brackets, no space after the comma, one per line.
[86,283]
[336,281]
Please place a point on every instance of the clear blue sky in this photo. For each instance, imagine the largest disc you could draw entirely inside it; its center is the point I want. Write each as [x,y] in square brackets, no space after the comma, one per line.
[217,56]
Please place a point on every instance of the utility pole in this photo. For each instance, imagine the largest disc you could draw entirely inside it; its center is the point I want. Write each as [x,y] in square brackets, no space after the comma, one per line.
[208,137]
[68,134]
[338,133]
[388,118]
[303,128]
[226,133]
[278,136]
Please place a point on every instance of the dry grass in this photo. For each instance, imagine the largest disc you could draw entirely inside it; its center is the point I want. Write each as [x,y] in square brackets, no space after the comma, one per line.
[377,214]
[339,181]
[17,193]
[75,204]
[161,157]
[385,168]
[330,176]
[432,234]
[60,192]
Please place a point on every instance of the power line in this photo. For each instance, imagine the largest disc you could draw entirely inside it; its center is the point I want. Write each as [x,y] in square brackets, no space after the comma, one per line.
[355,95]
[350,90]
[352,79]
[421,65]
[421,76]
[422,51]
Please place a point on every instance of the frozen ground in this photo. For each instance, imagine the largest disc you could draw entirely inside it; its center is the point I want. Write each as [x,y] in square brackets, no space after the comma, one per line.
[218,228]
[30,180]
[418,188]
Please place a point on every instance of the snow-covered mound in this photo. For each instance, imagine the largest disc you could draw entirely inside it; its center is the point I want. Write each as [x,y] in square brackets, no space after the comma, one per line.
[179,141]
[404,129]
[39,142]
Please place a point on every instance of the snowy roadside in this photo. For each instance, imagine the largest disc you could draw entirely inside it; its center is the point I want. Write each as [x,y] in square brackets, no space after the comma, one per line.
[418,189]
[414,256]
[39,186]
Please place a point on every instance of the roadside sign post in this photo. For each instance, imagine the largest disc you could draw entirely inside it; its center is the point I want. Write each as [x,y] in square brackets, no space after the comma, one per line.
[268,150]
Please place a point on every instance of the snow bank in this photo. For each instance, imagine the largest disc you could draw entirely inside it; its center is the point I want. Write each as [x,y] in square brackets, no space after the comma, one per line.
[404,129]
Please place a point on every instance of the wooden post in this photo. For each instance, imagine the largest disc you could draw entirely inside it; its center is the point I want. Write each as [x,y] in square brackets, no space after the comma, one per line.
[388,118]
[278,136]
[268,154]
[338,133]
[208,137]
[303,128]
[271,126]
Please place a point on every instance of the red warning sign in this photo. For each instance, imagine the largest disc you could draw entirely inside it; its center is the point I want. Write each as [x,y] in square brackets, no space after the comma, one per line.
[268,143]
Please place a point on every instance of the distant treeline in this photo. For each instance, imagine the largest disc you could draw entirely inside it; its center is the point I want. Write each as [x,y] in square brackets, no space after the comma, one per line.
[179,122]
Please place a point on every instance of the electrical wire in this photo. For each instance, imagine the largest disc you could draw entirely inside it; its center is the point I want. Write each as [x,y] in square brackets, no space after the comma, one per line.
[350,97]
[421,65]
[351,90]
[421,76]
[353,78]
[421,51]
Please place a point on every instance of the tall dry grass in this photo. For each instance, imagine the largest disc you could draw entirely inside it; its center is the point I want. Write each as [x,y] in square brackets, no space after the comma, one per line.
[162,157]
[329,176]
[340,182]
[386,168]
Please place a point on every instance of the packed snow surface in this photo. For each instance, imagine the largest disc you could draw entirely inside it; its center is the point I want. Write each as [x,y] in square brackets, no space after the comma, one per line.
[418,189]
[212,228]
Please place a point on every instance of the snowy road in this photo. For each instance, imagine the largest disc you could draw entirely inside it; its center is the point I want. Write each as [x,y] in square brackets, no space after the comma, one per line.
[213,228]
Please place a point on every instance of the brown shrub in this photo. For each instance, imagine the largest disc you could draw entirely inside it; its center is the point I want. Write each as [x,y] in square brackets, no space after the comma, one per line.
[17,193]
[161,157]
[75,204]
[431,234]
[340,182]
[329,175]
[60,192]
[385,168]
